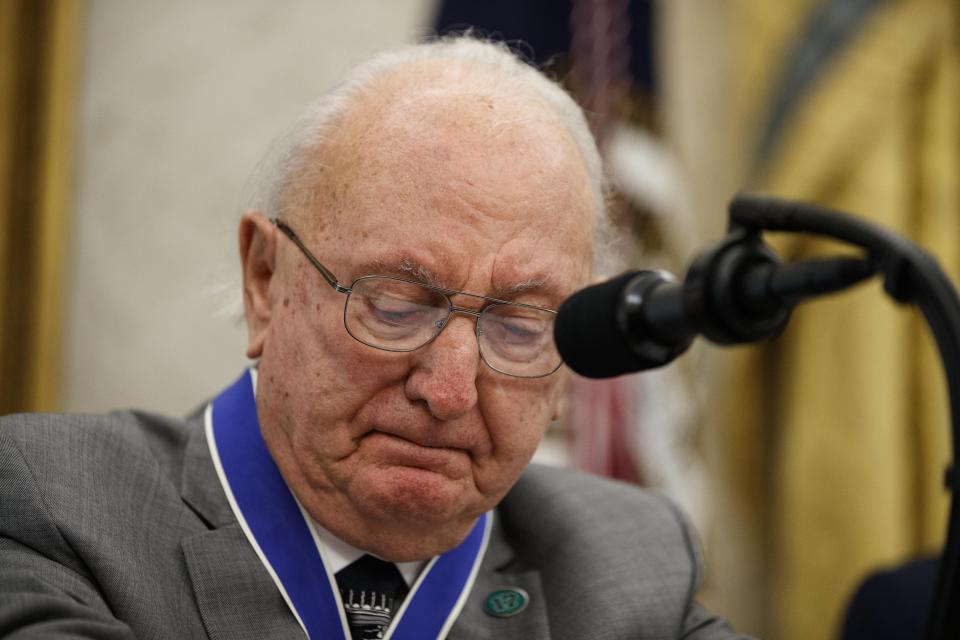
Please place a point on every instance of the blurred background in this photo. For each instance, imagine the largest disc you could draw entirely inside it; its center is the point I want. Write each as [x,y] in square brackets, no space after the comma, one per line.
[128,132]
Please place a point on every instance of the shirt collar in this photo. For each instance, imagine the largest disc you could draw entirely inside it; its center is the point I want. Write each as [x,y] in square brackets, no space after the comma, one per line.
[340,554]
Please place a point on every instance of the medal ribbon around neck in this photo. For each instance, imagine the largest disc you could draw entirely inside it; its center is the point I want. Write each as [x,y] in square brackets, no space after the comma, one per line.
[286,541]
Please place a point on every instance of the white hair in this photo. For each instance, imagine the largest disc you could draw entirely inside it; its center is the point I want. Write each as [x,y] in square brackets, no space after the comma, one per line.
[286,166]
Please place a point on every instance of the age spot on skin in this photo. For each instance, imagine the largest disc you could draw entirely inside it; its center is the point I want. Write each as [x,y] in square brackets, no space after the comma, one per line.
[286,302]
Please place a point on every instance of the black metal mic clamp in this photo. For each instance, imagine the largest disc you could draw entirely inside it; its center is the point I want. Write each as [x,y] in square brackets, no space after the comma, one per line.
[714,292]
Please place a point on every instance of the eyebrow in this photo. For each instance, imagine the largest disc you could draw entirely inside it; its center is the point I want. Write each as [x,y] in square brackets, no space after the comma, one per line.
[407,268]
[522,287]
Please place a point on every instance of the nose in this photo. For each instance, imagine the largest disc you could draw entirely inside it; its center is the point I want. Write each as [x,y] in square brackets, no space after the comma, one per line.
[444,373]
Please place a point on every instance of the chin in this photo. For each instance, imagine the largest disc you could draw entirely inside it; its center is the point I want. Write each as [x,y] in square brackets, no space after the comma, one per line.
[418,498]
[412,514]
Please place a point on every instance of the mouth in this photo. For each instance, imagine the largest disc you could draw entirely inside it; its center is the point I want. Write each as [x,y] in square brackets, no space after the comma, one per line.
[395,450]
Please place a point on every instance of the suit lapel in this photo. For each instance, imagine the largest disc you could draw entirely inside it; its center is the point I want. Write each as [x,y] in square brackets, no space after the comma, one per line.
[199,485]
[236,596]
[497,572]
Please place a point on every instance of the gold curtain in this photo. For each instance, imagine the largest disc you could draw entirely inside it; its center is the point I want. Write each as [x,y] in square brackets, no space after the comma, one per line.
[38,67]
[838,430]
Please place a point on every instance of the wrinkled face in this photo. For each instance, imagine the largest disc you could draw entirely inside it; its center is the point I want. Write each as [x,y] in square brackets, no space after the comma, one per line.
[398,453]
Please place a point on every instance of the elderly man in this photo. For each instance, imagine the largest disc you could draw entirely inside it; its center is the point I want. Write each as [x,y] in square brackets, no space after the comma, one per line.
[368,477]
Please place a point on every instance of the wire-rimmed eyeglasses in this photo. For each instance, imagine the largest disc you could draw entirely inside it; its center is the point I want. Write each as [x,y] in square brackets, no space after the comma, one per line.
[393,314]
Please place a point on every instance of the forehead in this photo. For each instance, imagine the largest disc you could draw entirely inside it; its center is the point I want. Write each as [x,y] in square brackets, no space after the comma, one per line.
[457,183]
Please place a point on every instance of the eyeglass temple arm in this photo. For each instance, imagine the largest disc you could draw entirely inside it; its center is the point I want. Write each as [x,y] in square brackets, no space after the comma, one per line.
[326,273]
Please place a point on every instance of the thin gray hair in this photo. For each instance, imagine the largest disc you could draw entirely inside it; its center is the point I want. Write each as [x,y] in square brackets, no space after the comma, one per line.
[283,167]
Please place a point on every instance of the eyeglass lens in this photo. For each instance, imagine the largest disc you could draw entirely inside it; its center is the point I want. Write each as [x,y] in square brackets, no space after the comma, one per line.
[396,315]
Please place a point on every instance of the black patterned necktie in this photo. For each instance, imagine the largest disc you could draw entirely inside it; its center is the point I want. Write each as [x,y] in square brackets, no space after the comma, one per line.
[372,590]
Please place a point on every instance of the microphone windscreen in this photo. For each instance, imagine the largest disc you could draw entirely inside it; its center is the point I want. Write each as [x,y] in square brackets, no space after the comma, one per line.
[587,333]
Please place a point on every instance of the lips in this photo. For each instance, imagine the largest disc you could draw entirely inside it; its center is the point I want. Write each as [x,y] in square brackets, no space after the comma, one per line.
[391,448]
[427,434]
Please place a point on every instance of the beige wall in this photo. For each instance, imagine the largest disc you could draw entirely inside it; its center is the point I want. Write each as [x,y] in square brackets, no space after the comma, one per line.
[178,101]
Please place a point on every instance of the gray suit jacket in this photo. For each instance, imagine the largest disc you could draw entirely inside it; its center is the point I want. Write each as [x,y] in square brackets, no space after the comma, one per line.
[116,527]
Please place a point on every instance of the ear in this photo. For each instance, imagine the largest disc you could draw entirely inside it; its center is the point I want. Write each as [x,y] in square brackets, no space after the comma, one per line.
[258,245]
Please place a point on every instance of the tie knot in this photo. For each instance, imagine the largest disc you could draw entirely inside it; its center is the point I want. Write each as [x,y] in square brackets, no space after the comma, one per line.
[372,591]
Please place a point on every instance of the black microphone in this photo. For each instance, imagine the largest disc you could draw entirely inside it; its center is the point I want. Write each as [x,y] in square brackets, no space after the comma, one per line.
[736,293]
[600,331]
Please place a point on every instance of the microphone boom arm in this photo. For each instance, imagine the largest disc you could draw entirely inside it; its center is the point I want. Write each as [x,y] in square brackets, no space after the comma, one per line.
[910,275]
